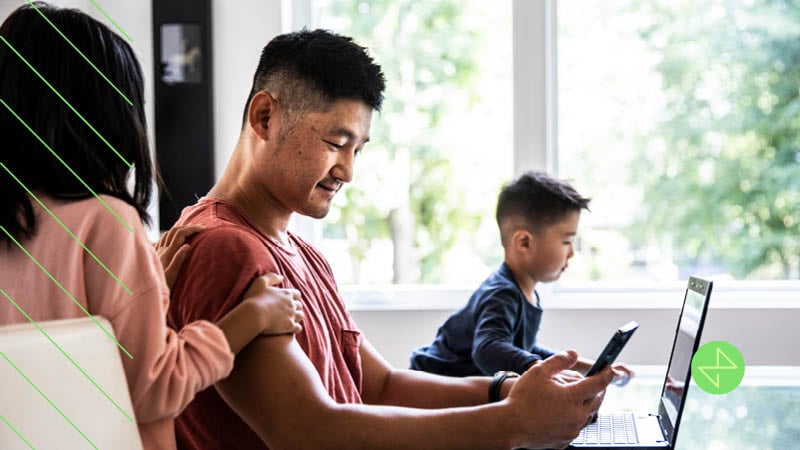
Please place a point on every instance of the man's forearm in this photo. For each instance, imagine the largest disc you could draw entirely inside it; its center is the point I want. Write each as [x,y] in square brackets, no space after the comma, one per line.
[385,385]
[281,399]
[276,390]
[423,390]
[373,427]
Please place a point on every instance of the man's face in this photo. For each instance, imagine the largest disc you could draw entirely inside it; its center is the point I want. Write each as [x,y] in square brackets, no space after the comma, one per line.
[313,156]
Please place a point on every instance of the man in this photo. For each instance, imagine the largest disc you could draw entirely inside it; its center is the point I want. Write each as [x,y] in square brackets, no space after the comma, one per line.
[307,117]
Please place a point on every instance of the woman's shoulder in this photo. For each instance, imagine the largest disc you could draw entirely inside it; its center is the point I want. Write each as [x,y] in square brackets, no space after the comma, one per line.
[100,210]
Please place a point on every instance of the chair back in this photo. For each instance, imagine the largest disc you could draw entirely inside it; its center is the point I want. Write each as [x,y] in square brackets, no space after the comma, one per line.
[63,386]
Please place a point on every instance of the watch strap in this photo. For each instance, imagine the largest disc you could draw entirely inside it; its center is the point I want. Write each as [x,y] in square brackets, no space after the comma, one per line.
[497,383]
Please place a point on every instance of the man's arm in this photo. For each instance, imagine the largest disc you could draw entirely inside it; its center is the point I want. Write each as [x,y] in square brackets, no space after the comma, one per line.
[385,385]
[276,390]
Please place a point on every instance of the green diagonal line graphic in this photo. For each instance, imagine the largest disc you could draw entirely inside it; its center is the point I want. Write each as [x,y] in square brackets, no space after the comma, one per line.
[65,101]
[65,291]
[121,220]
[112,21]
[724,355]
[716,381]
[67,230]
[81,53]
[48,400]
[16,432]
[77,366]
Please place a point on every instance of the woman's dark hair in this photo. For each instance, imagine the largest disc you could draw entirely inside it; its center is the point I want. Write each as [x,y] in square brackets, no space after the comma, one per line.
[29,36]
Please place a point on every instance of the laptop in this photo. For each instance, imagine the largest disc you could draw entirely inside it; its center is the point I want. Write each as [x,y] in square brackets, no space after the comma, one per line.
[643,431]
[45,400]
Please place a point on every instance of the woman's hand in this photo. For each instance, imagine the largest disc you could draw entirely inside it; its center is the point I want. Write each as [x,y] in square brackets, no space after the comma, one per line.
[172,250]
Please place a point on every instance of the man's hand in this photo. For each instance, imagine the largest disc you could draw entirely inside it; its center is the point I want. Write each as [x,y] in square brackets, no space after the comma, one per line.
[567,376]
[563,377]
[552,412]
[172,250]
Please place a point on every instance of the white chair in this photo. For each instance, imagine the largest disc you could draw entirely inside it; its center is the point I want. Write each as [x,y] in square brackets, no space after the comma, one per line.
[46,402]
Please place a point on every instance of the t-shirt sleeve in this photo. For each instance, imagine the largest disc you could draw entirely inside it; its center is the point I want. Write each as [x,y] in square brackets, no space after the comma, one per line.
[493,346]
[168,368]
[165,369]
[221,264]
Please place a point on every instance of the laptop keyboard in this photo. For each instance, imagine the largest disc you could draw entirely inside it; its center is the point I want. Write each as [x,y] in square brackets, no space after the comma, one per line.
[609,429]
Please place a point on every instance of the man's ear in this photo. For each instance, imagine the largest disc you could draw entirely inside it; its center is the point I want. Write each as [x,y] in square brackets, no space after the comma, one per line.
[261,113]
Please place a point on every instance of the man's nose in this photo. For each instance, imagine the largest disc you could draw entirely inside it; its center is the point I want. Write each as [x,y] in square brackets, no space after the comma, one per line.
[343,170]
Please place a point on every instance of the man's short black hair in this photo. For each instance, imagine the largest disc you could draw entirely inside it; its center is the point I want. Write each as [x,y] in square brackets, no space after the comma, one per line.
[537,200]
[309,70]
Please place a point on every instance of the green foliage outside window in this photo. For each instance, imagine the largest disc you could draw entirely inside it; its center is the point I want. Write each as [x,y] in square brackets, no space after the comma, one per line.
[722,170]
[414,202]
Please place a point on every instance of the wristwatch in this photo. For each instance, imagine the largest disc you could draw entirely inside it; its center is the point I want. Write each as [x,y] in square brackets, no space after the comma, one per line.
[497,382]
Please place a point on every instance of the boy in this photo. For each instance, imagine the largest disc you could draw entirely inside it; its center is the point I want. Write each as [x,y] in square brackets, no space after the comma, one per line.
[538,218]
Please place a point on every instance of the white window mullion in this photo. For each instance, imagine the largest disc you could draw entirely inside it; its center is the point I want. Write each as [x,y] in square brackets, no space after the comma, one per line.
[535,77]
[296,15]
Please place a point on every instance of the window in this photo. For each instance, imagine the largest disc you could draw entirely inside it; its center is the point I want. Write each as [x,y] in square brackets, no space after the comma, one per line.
[679,119]
[421,206]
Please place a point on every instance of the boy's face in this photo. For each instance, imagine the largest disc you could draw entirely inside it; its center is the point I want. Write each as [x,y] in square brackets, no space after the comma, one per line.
[552,248]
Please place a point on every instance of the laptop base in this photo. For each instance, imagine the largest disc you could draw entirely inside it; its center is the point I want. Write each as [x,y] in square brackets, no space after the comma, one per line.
[648,434]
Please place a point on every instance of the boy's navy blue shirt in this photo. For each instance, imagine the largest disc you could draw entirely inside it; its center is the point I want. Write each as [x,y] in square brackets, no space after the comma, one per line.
[496,330]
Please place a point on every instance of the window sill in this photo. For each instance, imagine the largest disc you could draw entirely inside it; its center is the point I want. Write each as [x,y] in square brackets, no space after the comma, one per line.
[726,295]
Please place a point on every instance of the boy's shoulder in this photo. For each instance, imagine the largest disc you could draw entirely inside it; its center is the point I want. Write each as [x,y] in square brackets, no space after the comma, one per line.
[502,278]
[499,286]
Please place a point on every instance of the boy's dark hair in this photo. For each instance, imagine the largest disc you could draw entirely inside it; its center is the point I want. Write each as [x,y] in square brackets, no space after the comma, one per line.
[538,200]
[309,70]
[121,124]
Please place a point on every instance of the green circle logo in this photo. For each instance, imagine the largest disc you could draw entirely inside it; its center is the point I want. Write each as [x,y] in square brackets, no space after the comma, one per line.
[718,367]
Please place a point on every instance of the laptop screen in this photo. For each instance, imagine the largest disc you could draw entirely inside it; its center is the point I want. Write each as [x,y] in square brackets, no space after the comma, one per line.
[686,342]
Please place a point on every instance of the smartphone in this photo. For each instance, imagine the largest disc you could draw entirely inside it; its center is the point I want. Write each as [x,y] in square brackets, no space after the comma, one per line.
[614,346]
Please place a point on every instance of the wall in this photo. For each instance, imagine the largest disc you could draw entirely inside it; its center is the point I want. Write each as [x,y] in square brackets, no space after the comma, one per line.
[764,336]
[241,29]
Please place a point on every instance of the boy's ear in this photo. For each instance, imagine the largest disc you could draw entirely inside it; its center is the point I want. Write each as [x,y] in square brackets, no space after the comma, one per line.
[523,240]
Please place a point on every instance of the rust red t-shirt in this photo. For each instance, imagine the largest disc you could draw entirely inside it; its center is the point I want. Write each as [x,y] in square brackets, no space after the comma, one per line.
[223,260]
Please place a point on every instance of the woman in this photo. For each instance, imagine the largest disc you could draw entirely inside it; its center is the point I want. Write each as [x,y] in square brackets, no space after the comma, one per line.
[74,135]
